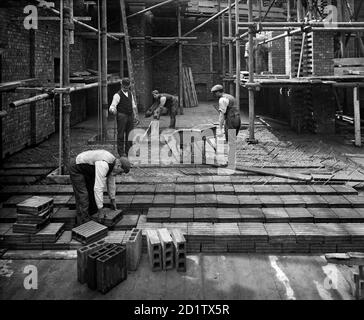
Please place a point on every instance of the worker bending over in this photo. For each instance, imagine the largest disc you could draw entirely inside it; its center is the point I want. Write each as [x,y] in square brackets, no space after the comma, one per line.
[92,172]
[229,114]
[164,102]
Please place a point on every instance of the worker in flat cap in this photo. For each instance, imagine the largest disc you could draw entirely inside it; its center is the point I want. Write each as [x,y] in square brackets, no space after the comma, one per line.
[163,103]
[124,107]
[229,114]
[92,172]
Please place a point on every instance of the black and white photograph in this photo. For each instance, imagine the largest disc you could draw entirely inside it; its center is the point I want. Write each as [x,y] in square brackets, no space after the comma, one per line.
[181,156]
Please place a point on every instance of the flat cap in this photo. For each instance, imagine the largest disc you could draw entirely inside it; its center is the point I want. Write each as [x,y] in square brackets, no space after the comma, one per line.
[125,164]
[125,82]
[155,92]
[216,88]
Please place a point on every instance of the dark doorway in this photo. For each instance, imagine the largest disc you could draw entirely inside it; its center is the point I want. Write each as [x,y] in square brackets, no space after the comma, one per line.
[201,90]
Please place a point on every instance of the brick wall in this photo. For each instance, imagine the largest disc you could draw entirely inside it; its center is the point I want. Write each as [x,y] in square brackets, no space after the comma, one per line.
[197,57]
[323,53]
[277,55]
[33,123]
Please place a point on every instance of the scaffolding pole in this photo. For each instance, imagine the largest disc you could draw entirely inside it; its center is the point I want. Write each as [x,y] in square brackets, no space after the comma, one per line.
[237,53]
[251,138]
[60,129]
[231,86]
[180,62]
[150,8]
[67,107]
[193,30]
[129,59]
[104,70]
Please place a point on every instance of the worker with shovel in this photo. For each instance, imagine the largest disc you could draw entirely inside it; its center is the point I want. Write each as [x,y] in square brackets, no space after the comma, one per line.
[229,114]
[164,103]
[92,171]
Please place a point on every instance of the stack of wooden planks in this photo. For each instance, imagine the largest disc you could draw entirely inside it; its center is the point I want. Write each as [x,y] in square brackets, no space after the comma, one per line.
[189,90]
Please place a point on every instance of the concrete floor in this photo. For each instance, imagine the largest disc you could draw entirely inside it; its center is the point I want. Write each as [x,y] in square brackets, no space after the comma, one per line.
[215,277]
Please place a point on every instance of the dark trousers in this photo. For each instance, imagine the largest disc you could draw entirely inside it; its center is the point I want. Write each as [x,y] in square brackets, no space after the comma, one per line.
[173,112]
[83,188]
[125,126]
[233,121]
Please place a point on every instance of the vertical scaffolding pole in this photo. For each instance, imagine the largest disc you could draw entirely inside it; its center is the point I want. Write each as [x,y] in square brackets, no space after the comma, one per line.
[299,11]
[180,62]
[104,70]
[128,55]
[61,86]
[231,85]
[223,46]
[99,68]
[237,44]
[357,119]
[219,36]
[67,107]
[251,76]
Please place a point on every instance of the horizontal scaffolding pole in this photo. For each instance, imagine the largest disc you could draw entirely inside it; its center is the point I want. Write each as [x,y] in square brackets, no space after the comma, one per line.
[194,30]
[244,25]
[150,8]
[46,96]
[81,23]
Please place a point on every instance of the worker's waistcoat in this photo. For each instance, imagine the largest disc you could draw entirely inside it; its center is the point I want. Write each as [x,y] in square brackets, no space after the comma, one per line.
[232,109]
[125,105]
[89,170]
[170,99]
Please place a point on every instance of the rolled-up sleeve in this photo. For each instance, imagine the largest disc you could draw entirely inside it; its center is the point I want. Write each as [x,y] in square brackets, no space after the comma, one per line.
[162,101]
[223,104]
[114,103]
[101,170]
[111,187]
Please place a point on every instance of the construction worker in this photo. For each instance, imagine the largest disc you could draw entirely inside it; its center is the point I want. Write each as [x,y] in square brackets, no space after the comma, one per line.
[124,107]
[164,103]
[90,174]
[229,114]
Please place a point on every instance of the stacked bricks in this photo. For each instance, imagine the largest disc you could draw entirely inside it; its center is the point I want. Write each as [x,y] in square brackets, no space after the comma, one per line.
[89,232]
[111,269]
[82,256]
[154,250]
[167,249]
[134,249]
[179,242]
[33,214]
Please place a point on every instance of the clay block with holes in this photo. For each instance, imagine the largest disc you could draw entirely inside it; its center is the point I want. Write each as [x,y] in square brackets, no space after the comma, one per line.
[167,249]
[91,264]
[89,232]
[82,256]
[35,205]
[154,250]
[179,242]
[111,269]
[134,249]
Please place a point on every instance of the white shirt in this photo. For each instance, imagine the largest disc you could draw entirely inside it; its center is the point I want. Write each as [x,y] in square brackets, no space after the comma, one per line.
[116,101]
[101,160]
[223,104]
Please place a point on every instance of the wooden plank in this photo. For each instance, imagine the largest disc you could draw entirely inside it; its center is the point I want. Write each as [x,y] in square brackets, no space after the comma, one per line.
[348,62]
[277,173]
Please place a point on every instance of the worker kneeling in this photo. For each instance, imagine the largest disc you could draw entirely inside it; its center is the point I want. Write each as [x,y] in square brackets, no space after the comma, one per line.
[164,103]
[92,171]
